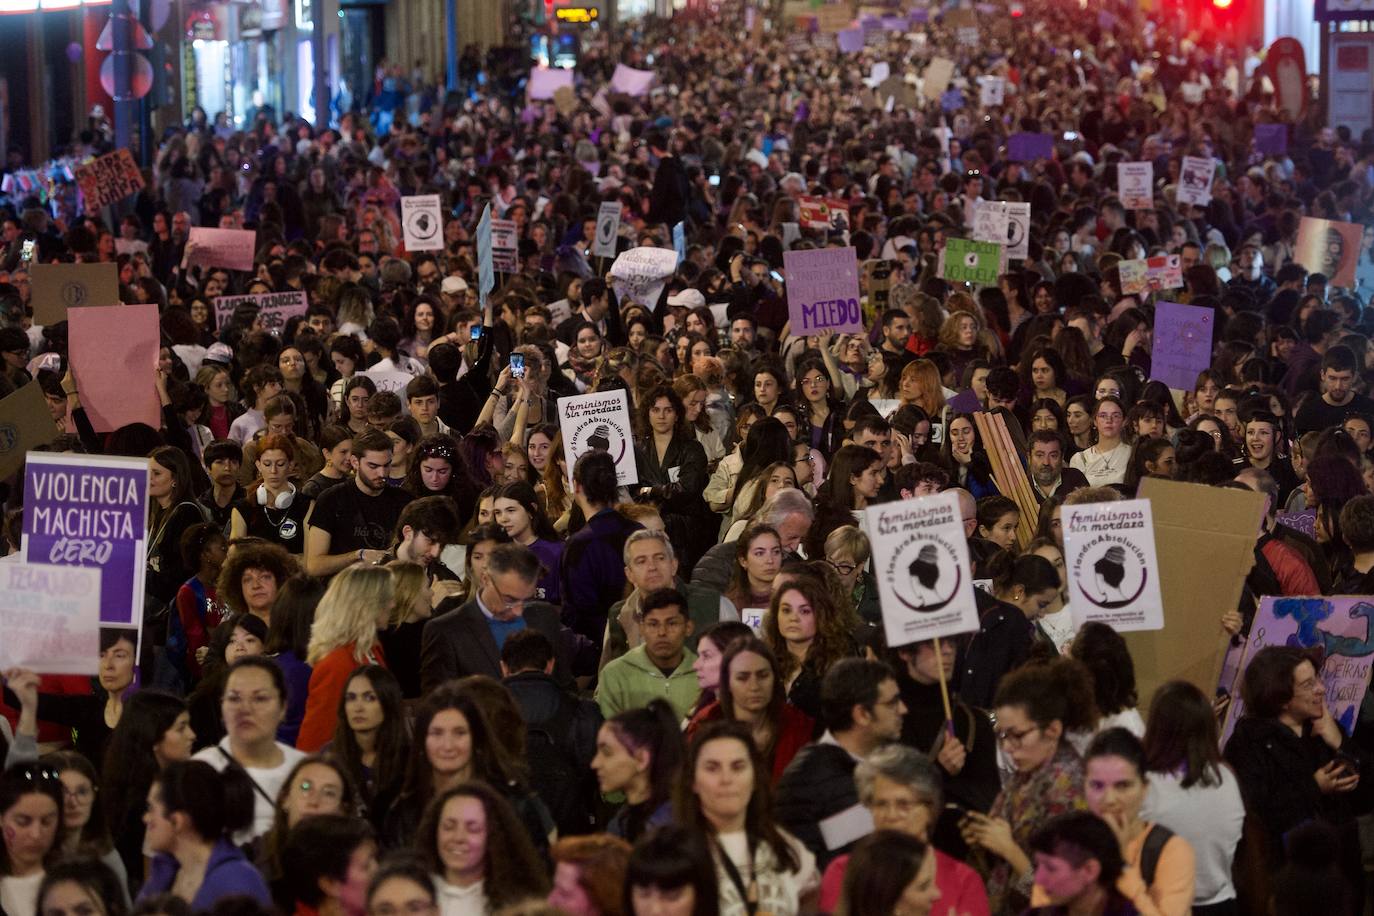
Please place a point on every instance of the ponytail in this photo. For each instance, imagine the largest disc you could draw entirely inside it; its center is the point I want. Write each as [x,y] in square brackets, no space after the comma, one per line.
[654,727]
[1030,571]
[218,804]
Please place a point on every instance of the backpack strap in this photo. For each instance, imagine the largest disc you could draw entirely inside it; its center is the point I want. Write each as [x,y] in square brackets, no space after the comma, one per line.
[1152,850]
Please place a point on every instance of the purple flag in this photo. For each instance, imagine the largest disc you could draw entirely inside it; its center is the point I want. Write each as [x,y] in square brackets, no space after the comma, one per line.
[1271,139]
[1029,147]
[823,291]
[952,100]
[1182,344]
[965,402]
[851,41]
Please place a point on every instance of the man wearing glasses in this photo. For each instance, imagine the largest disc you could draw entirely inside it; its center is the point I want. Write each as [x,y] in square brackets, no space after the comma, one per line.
[469,640]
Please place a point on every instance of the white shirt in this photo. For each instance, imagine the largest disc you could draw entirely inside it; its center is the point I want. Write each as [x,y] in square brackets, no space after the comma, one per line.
[1103,468]
[779,891]
[461,901]
[1209,818]
[269,781]
[20,895]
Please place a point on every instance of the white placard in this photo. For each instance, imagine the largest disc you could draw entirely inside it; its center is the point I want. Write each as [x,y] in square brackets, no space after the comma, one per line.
[990,221]
[600,421]
[422,223]
[1195,180]
[753,618]
[1109,554]
[920,555]
[1018,230]
[607,228]
[50,616]
[640,273]
[992,90]
[1135,185]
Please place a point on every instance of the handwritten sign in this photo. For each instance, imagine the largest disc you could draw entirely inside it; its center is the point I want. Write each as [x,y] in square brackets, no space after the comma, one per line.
[275,309]
[58,287]
[1304,521]
[969,261]
[631,81]
[920,556]
[1109,555]
[1343,627]
[823,291]
[600,421]
[91,511]
[1163,271]
[422,223]
[231,248]
[1182,344]
[1135,185]
[641,273]
[1133,277]
[109,179]
[504,245]
[50,616]
[936,78]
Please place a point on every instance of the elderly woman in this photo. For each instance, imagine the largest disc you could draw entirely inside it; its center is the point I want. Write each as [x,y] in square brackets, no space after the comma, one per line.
[901,788]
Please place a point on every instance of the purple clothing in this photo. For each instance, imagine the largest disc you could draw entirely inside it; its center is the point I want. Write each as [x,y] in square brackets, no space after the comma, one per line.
[297,686]
[593,576]
[227,874]
[550,554]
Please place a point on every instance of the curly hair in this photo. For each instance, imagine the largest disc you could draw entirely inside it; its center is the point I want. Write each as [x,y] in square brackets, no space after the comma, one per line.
[511,869]
[647,402]
[832,641]
[271,558]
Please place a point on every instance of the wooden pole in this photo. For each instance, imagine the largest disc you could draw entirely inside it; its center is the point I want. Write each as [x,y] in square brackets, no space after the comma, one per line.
[944,687]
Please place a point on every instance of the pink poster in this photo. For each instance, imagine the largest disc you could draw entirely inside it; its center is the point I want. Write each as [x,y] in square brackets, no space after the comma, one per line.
[114,355]
[231,248]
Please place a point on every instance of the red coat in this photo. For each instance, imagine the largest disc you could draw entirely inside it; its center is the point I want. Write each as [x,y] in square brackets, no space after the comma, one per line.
[328,679]
[795,732]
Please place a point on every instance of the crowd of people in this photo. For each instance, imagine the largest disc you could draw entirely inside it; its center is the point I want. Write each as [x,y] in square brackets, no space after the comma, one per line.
[403,654]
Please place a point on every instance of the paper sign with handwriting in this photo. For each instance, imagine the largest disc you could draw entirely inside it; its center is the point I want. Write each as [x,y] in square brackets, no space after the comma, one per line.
[50,616]
[631,81]
[1182,343]
[113,357]
[1135,185]
[823,291]
[231,248]
[275,309]
[109,179]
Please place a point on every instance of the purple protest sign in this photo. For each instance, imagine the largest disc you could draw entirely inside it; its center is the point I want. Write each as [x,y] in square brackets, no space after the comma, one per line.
[920,15]
[823,291]
[1025,147]
[965,402]
[1182,344]
[1271,139]
[91,510]
[1304,521]
[951,100]
[895,24]
[851,41]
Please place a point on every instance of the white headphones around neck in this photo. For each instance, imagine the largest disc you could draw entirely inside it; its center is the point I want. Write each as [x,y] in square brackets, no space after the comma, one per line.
[283,500]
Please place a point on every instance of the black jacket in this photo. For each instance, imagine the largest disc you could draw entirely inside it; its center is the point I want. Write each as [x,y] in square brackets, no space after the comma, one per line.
[460,643]
[818,783]
[1275,768]
[1002,644]
[676,484]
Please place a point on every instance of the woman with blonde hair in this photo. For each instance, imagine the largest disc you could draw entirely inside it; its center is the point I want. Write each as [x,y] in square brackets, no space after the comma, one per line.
[400,632]
[344,637]
[961,337]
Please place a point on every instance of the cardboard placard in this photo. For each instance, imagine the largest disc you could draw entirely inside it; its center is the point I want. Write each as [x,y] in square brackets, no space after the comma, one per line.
[91,511]
[486,274]
[50,618]
[641,273]
[109,179]
[422,223]
[814,212]
[1342,627]
[58,287]
[113,356]
[24,424]
[564,100]
[936,79]
[921,561]
[1193,521]
[1304,521]
[823,291]
[275,309]
[1135,185]
[1109,557]
[1330,247]
[1164,271]
[850,41]
[229,248]
[545,81]
[607,228]
[990,221]
[1134,279]
[1182,343]
[631,81]
[599,421]
[969,261]
[1195,181]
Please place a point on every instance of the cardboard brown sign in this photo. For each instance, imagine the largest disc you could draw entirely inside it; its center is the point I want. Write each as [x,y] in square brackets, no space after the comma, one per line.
[1205,538]
[58,287]
[24,424]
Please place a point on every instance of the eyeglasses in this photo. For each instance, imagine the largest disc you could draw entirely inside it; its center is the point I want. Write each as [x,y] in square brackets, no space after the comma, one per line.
[83,794]
[1014,739]
[843,569]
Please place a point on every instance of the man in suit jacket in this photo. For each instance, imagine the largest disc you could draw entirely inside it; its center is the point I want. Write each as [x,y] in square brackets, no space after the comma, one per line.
[469,640]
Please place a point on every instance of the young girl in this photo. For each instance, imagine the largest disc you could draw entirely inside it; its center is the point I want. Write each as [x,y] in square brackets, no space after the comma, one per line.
[199,610]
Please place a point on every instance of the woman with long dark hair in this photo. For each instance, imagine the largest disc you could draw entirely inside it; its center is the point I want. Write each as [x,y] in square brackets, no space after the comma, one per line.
[639,753]
[371,739]
[808,634]
[516,508]
[766,444]
[672,471]
[751,692]
[963,453]
[31,798]
[758,559]
[711,646]
[725,794]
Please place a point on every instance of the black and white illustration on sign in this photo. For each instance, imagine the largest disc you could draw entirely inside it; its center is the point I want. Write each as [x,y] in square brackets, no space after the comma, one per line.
[422,223]
[1109,551]
[600,422]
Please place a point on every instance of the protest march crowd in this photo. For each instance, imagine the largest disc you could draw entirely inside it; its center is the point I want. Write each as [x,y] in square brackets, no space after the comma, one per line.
[510,552]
